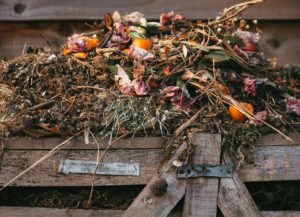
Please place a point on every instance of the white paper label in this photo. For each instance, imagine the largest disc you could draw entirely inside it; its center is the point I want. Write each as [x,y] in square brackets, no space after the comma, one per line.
[88,167]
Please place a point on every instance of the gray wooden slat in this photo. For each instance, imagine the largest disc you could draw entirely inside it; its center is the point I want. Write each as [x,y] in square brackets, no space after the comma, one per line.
[149,204]
[273,163]
[26,143]
[202,193]
[92,9]
[234,198]
[45,174]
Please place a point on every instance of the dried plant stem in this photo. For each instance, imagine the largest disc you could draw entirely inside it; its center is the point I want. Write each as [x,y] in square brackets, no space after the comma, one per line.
[234,10]
[50,153]
[99,160]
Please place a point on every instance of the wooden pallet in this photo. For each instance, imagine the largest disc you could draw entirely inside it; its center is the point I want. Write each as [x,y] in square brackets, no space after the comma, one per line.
[275,159]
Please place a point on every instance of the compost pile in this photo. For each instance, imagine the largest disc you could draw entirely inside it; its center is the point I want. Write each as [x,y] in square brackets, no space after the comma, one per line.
[130,76]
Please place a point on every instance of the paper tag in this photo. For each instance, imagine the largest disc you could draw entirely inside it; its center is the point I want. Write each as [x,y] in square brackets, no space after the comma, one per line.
[88,167]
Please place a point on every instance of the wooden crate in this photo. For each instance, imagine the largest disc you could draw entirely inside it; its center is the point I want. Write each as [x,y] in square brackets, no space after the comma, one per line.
[275,159]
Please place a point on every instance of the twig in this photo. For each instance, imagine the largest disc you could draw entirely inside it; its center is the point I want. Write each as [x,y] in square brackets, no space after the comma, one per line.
[50,153]
[190,121]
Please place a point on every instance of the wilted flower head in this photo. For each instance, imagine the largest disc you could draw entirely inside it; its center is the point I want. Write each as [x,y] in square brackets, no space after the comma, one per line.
[247,36]
[250,87]
[293,105]
[261,116]
[76,43]
[140,54]
[141,88]
[178,98]
[167,18]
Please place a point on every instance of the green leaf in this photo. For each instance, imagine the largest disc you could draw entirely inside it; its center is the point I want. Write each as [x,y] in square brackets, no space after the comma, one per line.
[202,64]
[218,56]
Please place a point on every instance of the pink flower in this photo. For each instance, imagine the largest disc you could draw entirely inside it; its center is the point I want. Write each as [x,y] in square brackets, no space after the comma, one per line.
[250,87]
[261,116]
[247,36]
[119,36]
[141,88]
[179,100]
[168,18]
[140,54]
[293,105]
[76,43]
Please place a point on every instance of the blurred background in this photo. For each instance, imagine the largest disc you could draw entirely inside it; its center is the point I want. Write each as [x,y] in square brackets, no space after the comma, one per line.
[31,23]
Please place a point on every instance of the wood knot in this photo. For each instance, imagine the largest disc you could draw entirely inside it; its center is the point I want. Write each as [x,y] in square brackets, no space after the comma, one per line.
[159,187]
[19,8]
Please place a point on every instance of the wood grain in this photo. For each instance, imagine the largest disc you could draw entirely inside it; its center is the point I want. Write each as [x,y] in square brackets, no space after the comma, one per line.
[273,163]
[280,39]
[92,9]
[202,193]
[7,211]
[147,204]
[45,174]
[234,198]
[27,143]
[276,139]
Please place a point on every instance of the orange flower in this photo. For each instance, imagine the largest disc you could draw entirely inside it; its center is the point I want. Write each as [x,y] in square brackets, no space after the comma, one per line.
[143,43]
[237,115]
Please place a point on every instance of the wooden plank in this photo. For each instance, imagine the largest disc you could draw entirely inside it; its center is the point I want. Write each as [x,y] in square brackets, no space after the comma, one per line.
[281,214]
[202,193]
[276,139]
[273,163]
[92,9]
[26,143]
[234,198]
[151,204]
[280,39]
[6,211]
[52,212]
[45,174]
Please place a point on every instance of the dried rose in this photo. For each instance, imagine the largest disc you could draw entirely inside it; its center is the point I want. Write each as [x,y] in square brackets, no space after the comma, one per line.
[178,98]
[261,116]
[76,43]
[140,54]
[141,88]
[293,105]
[168,18]
[250,87]
[123,81]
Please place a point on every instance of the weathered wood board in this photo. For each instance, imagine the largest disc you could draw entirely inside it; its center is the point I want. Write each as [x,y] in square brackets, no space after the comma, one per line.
[151,204]
[202,193]
[234,198]
[52,212]
[272,163]
[92,9]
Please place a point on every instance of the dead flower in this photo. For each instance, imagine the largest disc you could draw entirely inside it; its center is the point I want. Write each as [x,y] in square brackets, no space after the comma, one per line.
[178,98]
[141,88]
[250,87]
[247,36]
[261,116]
[293,105]
[76,43]
[168,18]
[140,54]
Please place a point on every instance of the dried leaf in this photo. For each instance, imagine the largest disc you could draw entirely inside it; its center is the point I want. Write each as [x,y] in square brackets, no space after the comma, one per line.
[141,88]
[123,81]
[185,51]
